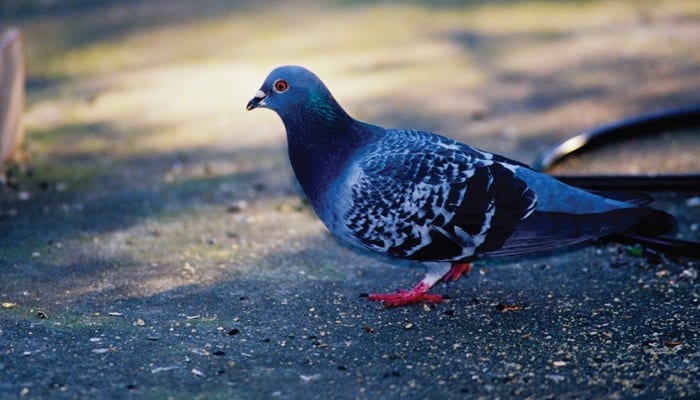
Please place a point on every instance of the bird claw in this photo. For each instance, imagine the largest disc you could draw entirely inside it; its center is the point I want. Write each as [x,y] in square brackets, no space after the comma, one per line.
[403,297]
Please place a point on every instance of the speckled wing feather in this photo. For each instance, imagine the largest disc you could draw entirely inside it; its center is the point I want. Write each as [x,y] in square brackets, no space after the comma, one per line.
[424,197]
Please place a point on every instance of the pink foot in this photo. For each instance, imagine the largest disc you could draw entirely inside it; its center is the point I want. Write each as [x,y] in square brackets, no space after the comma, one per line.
[457,271]
[403,297]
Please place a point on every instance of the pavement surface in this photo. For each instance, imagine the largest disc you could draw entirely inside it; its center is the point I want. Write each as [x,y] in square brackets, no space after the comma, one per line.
[153,243]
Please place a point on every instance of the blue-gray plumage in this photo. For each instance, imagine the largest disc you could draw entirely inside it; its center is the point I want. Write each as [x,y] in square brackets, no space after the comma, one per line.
[416,195]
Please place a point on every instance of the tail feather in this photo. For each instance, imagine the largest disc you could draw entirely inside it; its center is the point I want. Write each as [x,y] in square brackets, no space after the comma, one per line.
[636,198]
[665,244]
[544,231]
[652,232]
[654,223]
[547,230]
[653,229]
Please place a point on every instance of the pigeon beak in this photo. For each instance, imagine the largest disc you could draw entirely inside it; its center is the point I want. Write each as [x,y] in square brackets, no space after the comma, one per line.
[257,101]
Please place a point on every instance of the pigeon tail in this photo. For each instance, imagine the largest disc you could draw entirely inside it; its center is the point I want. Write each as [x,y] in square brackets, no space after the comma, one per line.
[546,230]
[654,223]
[653,232]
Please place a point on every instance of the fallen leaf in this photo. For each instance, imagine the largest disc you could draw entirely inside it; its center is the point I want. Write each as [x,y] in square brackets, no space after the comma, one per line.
[510,307]
[672,343]
[368,329]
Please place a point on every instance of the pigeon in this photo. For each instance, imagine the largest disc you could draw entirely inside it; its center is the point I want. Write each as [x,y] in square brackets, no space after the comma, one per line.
[415,195]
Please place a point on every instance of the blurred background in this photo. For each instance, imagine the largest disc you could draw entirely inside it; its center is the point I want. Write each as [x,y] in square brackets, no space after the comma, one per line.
[152,76]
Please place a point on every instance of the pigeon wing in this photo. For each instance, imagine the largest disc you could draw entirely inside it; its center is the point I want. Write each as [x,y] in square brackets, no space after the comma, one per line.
[423,197]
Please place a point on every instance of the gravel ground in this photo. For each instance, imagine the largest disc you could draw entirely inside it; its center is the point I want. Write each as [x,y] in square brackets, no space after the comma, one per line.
[153,243]
[587,323]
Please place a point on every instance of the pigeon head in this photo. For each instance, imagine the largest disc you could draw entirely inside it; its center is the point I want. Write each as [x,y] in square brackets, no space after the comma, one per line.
[298,97]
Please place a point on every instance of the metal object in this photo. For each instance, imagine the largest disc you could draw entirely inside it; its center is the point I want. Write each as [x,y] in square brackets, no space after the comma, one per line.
[649,124]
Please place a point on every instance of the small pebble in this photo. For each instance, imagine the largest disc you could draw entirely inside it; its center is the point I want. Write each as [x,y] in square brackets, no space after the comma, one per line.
[662,273]
[237,206]
[309,378]
[188,268]
[197,372]
[693,202]
[689,274]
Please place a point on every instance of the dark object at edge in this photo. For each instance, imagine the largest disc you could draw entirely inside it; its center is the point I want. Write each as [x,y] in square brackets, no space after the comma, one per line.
[648,124]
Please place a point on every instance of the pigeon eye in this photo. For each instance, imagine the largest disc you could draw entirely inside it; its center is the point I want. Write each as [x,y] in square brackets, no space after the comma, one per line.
[280,85]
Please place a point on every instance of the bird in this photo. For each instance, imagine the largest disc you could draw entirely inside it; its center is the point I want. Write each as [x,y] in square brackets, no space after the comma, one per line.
[415,195]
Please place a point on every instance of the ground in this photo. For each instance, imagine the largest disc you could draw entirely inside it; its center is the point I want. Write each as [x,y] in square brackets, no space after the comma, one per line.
[154,244]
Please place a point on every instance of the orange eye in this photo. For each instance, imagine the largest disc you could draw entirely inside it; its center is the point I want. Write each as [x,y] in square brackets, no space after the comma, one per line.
[281,85]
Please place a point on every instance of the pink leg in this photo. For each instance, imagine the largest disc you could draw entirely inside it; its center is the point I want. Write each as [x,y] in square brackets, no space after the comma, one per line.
[457,271]
[403,297]
[435,271]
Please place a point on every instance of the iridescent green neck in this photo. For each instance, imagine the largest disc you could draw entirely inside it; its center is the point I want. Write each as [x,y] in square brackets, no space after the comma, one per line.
[324,108]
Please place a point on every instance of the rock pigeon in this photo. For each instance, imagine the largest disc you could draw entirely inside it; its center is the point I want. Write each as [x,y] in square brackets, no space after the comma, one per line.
[416,195]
